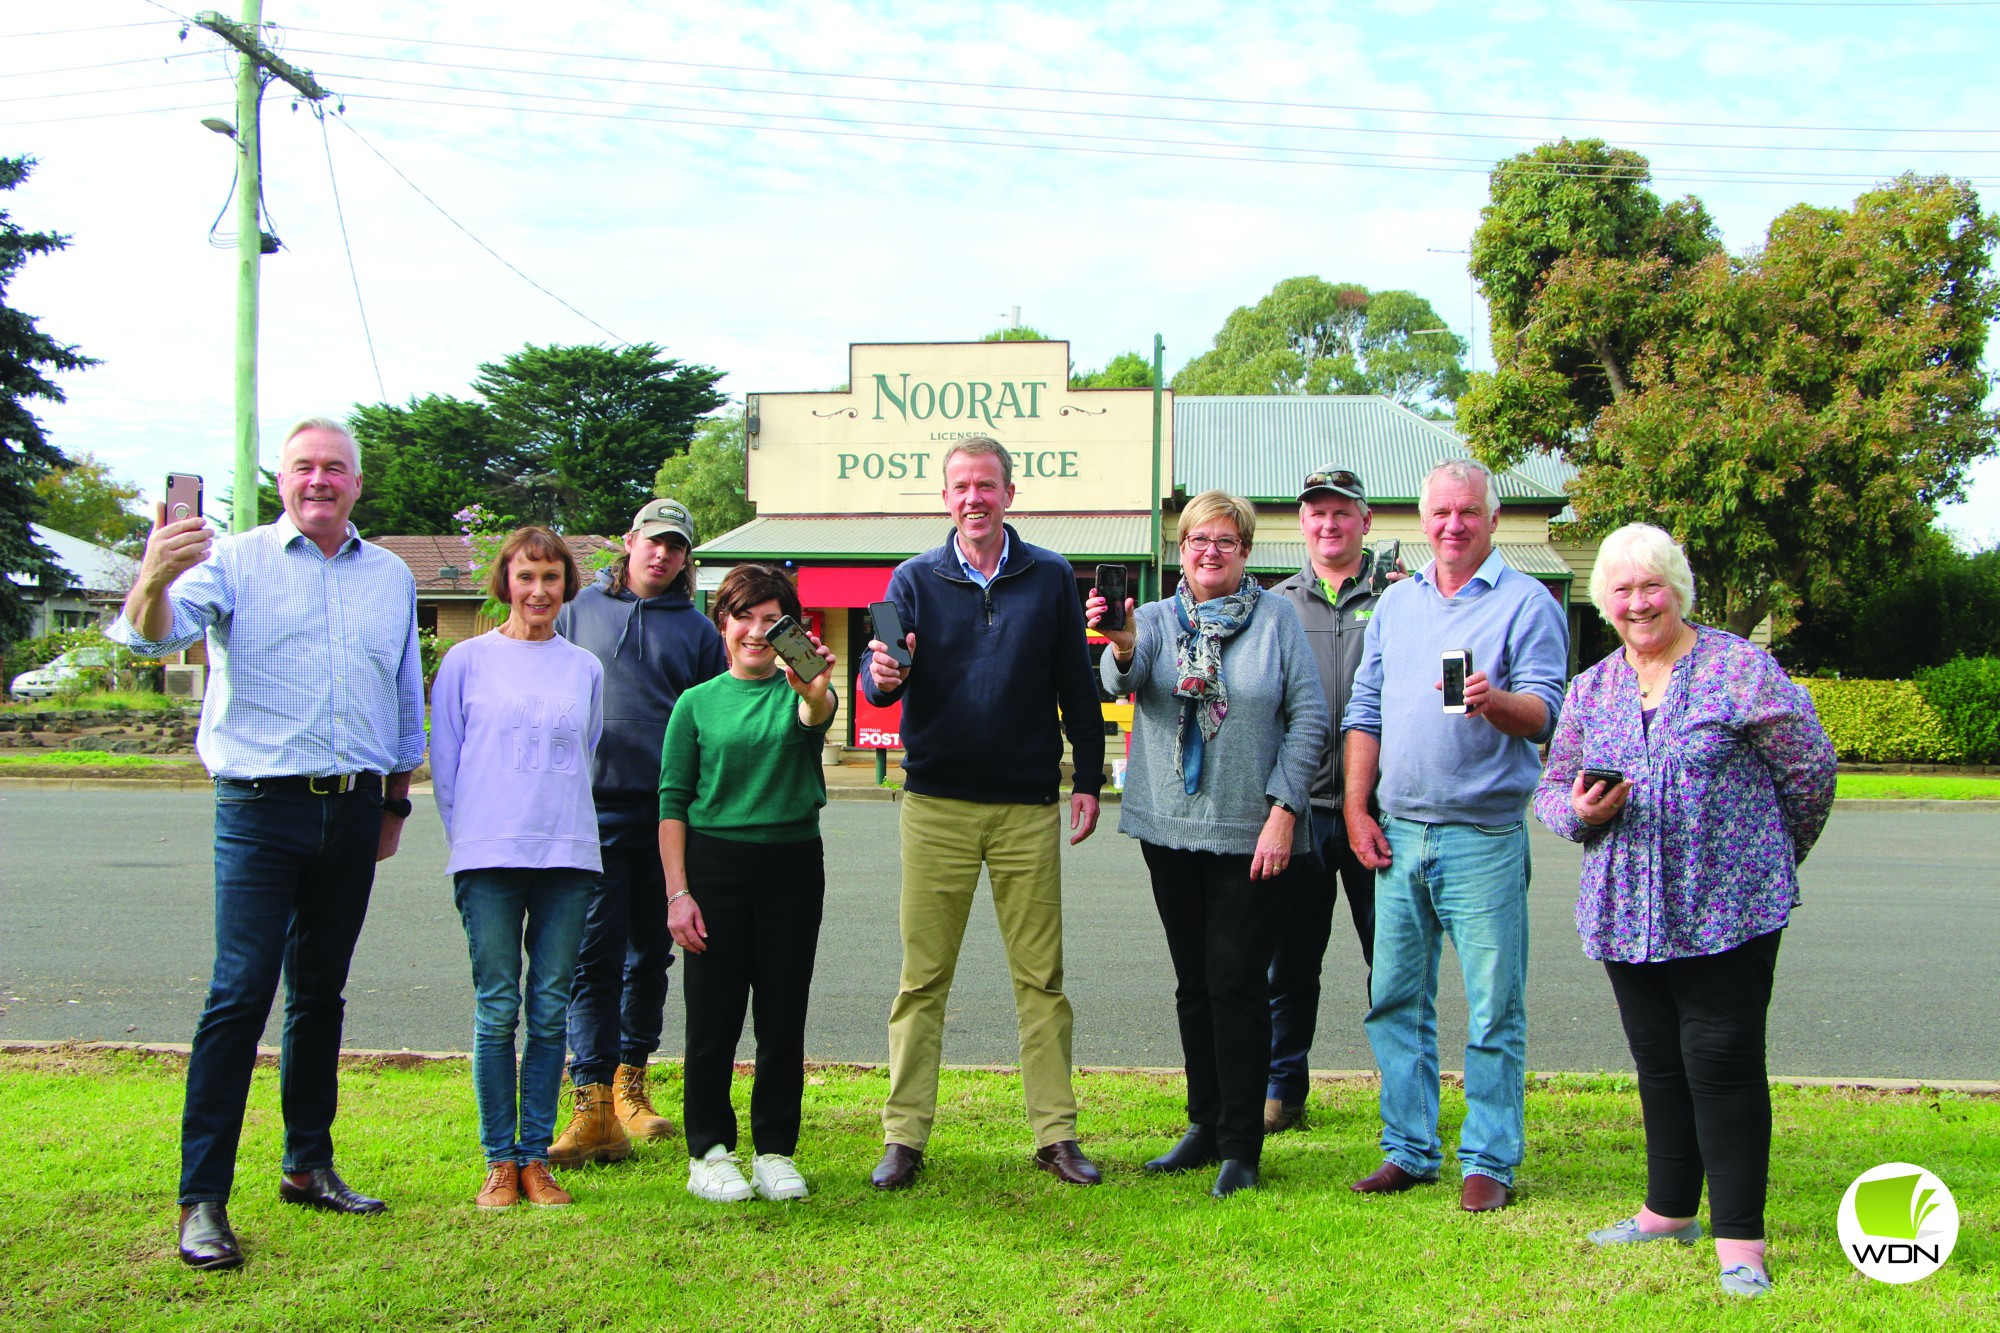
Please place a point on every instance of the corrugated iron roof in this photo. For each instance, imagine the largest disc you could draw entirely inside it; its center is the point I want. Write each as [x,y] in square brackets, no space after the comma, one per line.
[1534,558]
[1261,447]
[899,536]
[426,555]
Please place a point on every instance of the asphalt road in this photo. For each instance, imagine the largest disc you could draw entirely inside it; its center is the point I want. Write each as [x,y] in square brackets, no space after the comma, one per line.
[1887,969]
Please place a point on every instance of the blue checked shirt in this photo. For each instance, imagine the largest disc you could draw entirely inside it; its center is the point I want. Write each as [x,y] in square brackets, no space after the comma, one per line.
[313,663]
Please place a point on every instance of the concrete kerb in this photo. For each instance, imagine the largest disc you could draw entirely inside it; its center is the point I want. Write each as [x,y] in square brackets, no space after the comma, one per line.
[268,1056]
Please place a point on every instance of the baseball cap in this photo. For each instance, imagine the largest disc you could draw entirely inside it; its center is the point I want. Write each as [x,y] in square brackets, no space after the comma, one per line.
[661,517]
[1336,479]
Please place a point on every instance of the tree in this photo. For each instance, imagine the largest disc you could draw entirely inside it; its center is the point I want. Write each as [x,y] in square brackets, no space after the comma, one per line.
[1793,415]
[1127,370]
[585,428]
[1309,336]
[1016,333]
[423,463]
[26,456]
[1941,603]
[85,500]
[708,478]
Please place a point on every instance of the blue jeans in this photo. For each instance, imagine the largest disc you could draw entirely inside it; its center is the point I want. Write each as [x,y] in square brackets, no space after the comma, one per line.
[292,876]
[618,1000]
[503,908]
[1311,888]
[1468,881]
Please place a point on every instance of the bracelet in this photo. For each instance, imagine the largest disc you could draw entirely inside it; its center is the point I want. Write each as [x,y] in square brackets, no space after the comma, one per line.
[672,898]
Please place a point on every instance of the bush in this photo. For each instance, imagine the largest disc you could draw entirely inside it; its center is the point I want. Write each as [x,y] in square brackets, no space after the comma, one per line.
[1965,695]
[1883,722]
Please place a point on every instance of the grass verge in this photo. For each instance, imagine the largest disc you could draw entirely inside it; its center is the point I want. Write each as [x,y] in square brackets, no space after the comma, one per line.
[86,760]
[982,1241]
[1914,787]
[149,701]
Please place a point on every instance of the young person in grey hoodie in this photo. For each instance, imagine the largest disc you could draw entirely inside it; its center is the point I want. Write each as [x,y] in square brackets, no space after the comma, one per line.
[640,622]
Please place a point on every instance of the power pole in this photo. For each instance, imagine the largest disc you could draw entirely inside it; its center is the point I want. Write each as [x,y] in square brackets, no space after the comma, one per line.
[260,65]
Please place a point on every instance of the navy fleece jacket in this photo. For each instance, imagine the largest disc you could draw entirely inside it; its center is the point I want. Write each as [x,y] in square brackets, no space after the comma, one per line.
[992,667]
[653,649]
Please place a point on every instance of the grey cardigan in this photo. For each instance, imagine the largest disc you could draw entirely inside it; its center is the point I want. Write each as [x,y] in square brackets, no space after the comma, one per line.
[1268,748]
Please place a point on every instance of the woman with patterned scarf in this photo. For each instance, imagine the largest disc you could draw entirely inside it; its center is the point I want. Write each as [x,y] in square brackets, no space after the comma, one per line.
[1228,729]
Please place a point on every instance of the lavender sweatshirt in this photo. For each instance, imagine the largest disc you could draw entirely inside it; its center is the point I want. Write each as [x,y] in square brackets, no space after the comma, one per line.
[513,727]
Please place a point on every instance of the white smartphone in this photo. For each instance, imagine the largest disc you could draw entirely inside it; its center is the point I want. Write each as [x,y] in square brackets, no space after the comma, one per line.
[1457,666]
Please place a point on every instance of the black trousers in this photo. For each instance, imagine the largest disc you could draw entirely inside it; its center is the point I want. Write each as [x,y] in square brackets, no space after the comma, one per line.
[1221,928]
[1312,885]
[1696,1029]
[761,904]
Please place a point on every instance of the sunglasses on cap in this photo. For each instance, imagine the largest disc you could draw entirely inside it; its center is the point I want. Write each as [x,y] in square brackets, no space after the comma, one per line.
[1333,479]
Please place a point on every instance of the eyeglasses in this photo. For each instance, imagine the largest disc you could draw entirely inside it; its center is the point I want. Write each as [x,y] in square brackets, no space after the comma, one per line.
[1220,545]
[1339,479]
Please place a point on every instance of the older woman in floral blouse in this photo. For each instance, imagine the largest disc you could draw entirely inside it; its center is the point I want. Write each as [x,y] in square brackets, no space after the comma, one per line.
[1724,780]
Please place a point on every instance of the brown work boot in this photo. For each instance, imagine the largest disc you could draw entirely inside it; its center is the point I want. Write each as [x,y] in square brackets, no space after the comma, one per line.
[539,1187]
[635,1107]
[502,1188]
[594,1134]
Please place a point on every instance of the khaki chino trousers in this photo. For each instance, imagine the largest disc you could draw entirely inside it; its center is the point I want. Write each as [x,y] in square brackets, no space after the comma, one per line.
[944,843]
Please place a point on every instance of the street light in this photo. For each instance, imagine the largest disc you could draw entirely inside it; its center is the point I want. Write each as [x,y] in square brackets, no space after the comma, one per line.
[220,126]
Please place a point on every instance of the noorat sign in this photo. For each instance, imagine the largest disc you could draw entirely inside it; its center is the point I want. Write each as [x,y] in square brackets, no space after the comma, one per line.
[878,445]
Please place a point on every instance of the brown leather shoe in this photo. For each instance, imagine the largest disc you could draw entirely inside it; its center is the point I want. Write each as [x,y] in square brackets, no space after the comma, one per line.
[1066,1162]
[1280,1115]
[502,1188]
[207,1242]
[898,1168]
[1482,1194]
[635,1106]
[1389,1178]
[539,1187]
[594,1133]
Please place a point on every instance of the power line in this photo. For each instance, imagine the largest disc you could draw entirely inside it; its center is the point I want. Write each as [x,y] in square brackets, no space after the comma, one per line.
[622,342]
[98,92]
[108,64]
[110,115]
[1147,97]
[319,114]
[70,32]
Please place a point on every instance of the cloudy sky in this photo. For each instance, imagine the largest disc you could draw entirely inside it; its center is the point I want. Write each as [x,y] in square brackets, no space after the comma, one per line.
[755,185]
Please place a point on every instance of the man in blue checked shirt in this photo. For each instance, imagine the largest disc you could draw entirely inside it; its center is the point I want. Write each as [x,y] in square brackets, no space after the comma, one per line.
[312,722]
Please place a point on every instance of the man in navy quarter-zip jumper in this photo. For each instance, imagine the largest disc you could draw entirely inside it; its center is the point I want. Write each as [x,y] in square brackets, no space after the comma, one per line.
[999,652]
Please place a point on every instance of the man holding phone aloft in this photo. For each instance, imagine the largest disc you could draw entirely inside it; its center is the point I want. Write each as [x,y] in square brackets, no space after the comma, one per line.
[995,630]
[1450,854]
[311,724]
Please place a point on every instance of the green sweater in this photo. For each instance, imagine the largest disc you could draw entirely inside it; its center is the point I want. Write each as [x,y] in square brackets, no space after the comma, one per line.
[738,764]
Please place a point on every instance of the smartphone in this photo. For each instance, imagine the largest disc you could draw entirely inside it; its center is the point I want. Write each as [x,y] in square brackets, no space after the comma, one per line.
[793,644]
[1610,777]
[1111,585]
[889,630]
[1386,556]
[183,496]
[1457,666]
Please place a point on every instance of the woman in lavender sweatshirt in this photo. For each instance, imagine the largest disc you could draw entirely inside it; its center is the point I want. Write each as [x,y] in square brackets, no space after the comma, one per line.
[1696,776]
[515,716]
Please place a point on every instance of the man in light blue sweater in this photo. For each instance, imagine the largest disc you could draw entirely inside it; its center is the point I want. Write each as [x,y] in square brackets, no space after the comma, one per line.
[1450,854]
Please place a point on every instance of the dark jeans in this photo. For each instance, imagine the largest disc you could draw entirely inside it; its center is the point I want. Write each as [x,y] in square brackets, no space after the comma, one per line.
[761,905]
[618,998]
[1221,928]
[1696,1028]
[292,877]
[1307,925]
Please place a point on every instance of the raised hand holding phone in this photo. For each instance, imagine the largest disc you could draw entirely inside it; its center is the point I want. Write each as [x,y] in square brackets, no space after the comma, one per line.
[892,650]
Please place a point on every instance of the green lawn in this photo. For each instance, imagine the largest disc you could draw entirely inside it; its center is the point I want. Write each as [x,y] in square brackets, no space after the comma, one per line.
[142,700]
[983,1241]
[36,760]
[1915,786]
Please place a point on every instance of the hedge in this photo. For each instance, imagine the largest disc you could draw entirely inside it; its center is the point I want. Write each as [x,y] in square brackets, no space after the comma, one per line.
[1965,694]
[1883,722]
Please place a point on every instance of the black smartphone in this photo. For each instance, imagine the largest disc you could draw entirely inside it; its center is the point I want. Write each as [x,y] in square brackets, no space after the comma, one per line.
[1457,666]
[889,630]
[183,496]
[792,643]
[1386,555]
[1610,777]
[1111,585]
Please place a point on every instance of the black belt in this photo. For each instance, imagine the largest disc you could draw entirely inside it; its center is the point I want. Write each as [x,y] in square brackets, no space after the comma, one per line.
[332,784]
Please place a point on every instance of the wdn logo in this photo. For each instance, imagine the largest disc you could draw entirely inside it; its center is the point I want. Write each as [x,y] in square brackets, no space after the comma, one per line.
[1898,1223]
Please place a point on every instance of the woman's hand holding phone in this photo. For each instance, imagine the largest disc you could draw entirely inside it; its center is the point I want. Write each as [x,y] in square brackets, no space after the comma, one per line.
[816,704]
[1123,638]
[1598,802]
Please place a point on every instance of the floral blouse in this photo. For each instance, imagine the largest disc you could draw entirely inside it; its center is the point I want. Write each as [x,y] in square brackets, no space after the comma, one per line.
[1731,785]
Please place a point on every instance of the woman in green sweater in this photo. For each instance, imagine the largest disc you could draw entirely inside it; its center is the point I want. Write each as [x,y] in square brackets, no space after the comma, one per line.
[740,793]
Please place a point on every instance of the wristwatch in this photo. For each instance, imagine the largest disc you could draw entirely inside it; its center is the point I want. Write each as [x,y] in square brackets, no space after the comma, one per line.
[399,806]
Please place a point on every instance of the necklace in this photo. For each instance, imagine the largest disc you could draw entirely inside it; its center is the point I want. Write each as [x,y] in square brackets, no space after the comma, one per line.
[1652,684]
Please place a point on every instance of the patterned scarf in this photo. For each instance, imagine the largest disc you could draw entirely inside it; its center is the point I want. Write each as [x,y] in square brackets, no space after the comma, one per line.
[1198,668]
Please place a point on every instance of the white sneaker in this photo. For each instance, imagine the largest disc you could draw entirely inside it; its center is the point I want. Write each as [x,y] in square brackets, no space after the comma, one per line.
[776,1178]
[718,1177]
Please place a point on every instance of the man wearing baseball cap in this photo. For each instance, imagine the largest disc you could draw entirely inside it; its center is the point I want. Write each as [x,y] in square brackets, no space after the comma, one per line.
[1335,601]
[640,622]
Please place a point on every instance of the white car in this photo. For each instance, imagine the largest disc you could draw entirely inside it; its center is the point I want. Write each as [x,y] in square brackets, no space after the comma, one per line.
[45,680]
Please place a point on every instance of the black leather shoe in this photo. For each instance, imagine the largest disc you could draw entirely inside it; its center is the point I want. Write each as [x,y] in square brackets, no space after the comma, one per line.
[207,1242]
[898,1168]
[1066,1162]
[1195,1150]
[1236,1174]
[325,1190]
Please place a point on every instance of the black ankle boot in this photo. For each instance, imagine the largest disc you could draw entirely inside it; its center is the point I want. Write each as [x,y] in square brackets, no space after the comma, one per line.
[1235,1175]
[1195,1150]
